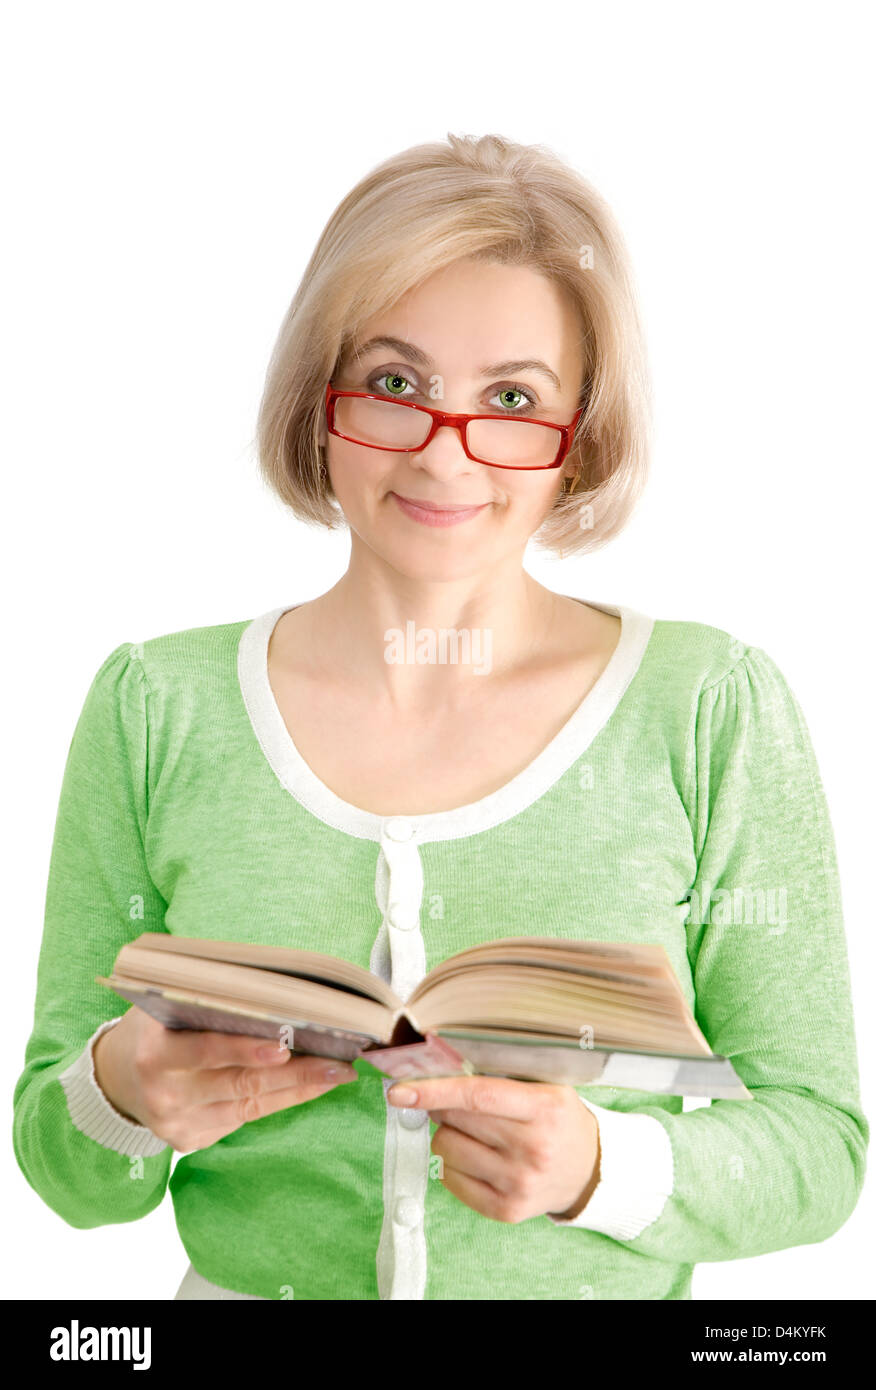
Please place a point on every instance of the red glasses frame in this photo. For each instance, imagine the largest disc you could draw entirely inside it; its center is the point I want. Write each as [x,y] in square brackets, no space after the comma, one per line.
[456,422]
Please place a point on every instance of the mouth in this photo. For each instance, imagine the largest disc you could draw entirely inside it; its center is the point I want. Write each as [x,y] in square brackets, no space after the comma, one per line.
[437,513]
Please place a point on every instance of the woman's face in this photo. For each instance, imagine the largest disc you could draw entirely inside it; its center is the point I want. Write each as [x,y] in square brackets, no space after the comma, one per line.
[503,340]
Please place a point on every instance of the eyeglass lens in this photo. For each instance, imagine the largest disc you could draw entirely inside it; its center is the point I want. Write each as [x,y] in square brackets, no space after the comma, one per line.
[514,443]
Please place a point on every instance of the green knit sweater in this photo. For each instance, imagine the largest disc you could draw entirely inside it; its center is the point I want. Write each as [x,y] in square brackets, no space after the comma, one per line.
[680,804]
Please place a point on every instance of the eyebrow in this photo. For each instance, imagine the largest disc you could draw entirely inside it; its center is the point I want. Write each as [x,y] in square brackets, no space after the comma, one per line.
[422,359]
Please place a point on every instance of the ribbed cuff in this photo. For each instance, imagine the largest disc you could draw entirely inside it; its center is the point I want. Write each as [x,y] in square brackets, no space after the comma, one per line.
[92,1113]
[636,1175]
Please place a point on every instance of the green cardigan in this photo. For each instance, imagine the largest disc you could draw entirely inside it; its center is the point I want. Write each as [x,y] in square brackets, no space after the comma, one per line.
[681,803]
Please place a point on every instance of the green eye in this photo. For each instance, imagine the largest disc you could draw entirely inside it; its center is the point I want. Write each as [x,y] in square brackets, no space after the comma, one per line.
[396,384]
[509,391]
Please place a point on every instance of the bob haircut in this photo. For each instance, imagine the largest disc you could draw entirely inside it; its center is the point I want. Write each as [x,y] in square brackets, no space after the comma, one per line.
[415,213]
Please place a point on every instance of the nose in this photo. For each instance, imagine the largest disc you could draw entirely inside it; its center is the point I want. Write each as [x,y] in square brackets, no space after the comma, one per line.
[444,455]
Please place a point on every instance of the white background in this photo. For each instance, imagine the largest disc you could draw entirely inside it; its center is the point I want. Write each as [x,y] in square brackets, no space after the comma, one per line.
[167,170]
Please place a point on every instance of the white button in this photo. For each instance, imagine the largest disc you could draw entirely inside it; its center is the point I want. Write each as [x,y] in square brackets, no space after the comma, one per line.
[399,828]
[412,1119]
[408,1211]
[401,917]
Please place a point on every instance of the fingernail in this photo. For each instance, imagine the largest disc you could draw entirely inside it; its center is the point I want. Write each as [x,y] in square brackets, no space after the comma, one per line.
[402,1095]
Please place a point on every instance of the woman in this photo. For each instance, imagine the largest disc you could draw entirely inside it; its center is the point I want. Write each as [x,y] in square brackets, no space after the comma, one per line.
[321,777]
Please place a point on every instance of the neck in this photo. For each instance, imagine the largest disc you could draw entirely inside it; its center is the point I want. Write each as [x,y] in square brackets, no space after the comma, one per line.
[415,642]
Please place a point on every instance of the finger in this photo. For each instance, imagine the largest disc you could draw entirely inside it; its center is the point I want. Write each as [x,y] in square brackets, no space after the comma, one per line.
[480,1196]
[217,1084]
[471,1157]
[486,1095]
[192,1050]
[492,1130]
[231,1114]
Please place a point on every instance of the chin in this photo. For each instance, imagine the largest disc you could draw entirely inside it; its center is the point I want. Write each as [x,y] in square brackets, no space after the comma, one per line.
[426,565]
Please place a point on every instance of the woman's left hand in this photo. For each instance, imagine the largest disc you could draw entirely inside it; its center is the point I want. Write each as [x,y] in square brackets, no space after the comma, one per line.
[509,1149]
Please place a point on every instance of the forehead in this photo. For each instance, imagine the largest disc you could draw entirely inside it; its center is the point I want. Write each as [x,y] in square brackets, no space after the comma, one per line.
[474,312]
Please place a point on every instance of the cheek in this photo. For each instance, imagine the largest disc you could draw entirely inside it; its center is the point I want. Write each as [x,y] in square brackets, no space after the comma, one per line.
[533,502]
[355,472]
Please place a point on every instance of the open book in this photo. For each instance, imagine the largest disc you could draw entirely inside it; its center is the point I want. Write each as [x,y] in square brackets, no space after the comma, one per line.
[573,1013]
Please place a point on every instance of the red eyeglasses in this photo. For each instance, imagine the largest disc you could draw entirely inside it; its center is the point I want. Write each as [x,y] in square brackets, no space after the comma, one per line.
[401,427]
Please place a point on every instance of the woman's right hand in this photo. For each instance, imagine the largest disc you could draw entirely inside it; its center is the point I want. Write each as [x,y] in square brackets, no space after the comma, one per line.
[192,1088]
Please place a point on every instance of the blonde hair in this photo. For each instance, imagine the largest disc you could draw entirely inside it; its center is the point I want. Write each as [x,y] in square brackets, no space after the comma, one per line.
[417,212]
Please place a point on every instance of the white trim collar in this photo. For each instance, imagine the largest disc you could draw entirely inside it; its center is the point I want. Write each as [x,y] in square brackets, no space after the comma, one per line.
[515,796]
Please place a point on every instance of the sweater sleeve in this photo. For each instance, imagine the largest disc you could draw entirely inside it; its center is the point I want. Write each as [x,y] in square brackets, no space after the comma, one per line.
[91,1111]
[768,955]
[635,1174]
[88,1164]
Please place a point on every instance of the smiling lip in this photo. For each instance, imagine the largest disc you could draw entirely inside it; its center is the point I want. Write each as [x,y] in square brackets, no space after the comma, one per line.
[436,513]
